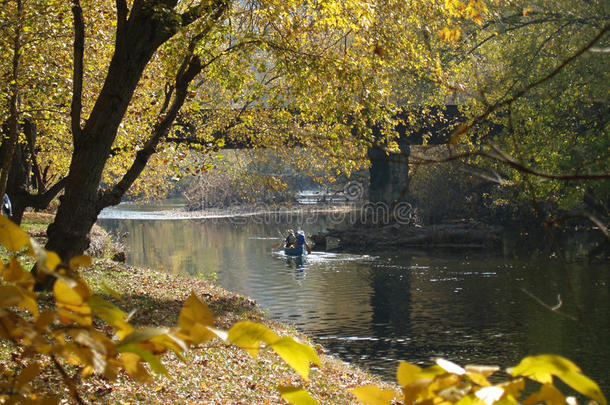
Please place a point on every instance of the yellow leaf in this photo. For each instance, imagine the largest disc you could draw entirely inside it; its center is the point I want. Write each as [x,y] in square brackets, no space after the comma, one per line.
[45,319]
[373,395]
[248,336]
[455,137]
[132,363]
[28,301]
[478,379]
[111,291]
[485,371]
[66,295]
[407,373]
[46,261]
[513,388]
[547,393]
[140,335]
[297,355]
[297,396]
[12,237]
[151,359]
[80,261]
[10,296]
[67,315]
[542,368]
[14,273]
[194,311]
[28,373]
[111,314]
[470,399]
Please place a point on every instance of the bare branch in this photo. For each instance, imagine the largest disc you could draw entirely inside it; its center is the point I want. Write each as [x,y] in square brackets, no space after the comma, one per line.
[553,308]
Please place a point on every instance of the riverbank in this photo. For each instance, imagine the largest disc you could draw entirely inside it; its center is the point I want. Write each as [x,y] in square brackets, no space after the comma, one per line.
[214,373]
[464,234]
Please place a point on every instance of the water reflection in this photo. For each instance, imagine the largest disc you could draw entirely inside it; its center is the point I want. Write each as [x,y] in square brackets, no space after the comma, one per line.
[400,305]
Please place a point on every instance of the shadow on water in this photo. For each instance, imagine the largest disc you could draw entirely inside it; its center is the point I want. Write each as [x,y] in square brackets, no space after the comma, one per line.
[470,307]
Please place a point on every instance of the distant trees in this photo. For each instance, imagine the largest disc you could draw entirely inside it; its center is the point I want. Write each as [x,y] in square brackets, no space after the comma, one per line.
[535,69]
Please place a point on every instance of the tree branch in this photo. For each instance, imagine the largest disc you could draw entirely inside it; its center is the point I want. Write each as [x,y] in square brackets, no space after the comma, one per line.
[41,201]
[67,380]
[500,104]
[121,15]
[500,156]
[185,75]
[77,75]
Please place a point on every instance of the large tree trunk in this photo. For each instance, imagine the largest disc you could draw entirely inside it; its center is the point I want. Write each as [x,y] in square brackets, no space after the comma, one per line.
[136,42]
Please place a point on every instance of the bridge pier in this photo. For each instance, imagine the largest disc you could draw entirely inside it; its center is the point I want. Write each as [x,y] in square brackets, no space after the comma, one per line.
[389,175]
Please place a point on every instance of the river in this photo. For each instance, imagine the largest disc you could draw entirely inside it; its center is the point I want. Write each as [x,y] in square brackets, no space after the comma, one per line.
[376,308]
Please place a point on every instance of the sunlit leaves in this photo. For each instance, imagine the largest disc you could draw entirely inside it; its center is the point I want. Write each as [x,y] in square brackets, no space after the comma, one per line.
[249,335]
[371,394]
[194,319]
[12,237]
[297,396]
[447,382]
[297,355]
[542,368]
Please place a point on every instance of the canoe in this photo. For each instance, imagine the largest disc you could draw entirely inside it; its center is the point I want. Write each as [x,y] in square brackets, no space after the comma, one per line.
[297,251]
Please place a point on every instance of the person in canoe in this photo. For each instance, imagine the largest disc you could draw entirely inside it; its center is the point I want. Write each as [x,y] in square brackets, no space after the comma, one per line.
[291,240]
[301,241]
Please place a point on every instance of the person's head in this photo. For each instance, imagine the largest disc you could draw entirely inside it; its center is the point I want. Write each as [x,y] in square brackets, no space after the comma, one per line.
[290,232]
[301,232]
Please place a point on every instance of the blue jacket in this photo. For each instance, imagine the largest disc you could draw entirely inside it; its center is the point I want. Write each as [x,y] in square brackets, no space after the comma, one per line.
[300,239]
[7,208]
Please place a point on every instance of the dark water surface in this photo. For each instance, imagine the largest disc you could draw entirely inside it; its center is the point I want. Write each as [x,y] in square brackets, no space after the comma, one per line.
[378,308]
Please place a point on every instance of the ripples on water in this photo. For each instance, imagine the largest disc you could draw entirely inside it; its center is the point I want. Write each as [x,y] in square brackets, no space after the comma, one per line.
[374,310]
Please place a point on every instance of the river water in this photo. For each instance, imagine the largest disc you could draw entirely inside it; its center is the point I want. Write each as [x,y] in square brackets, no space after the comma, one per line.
[376,308]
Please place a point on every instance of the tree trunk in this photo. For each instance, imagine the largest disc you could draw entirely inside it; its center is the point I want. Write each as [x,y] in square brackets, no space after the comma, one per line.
[136,42]
[10,141]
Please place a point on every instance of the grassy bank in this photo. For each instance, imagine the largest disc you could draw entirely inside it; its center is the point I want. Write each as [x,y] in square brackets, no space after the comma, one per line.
[215,373]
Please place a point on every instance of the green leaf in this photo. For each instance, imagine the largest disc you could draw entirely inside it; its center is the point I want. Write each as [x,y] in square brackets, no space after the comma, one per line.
[297,396]
[373,395]
[297,355]
[248,336]
[542,368]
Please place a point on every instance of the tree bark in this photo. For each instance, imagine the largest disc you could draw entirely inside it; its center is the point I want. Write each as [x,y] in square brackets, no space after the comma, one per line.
[78,210]
[13,120]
